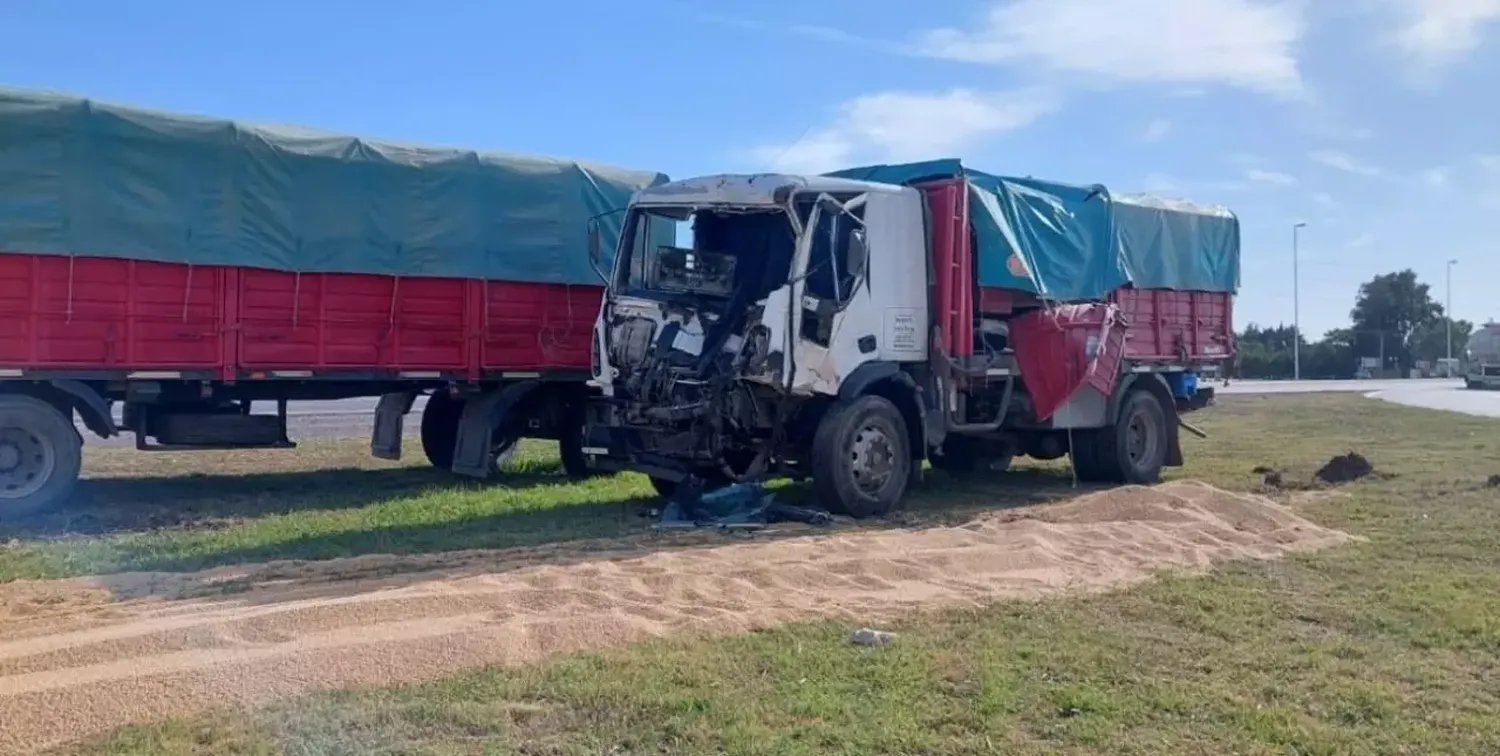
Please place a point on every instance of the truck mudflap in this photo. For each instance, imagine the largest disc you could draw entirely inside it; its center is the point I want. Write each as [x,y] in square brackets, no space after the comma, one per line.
[1062,348]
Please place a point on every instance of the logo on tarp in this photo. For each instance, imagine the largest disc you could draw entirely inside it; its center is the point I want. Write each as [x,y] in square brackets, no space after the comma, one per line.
[1017,266]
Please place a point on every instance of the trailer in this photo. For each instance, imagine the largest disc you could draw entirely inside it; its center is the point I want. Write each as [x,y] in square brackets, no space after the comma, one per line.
[165,275]
[847,328]
[1483,358]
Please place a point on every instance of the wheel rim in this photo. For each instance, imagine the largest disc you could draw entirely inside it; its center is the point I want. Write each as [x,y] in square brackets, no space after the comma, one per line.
[872,459]
[26,462]
[1140,439]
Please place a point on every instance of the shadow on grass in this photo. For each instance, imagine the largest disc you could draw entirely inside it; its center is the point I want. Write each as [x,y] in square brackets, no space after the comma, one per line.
[211,501]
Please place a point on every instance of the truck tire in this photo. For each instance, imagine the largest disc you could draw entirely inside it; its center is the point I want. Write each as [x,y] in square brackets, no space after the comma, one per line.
[440,420]
[440,429]
[41,454]
[861,457]
[1133,450]
[570,444]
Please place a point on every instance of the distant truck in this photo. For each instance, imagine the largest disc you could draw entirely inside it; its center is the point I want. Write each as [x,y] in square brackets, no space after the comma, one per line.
[1483,358]
[187,267]
[845,328]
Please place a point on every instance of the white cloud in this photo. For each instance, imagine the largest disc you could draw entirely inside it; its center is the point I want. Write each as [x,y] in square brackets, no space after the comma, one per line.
[1489,162]
[1270,177]
[1361,241]
[1437,32]
[1244,158]
[1240,43]
[1436,177]
[1324,199]
[1157,129]
[1344,162]
[907,126]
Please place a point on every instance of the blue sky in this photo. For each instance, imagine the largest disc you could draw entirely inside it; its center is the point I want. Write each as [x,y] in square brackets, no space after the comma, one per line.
[1364,118]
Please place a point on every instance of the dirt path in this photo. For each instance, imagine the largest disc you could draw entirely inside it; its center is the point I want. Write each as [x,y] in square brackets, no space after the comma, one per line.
[80,657]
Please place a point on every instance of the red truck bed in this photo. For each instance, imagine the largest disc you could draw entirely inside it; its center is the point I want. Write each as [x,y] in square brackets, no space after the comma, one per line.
[106,316]
[1162,325]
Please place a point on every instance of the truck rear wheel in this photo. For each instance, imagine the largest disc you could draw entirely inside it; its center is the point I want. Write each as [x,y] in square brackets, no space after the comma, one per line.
[861,457]
[1133,450]
[41,454]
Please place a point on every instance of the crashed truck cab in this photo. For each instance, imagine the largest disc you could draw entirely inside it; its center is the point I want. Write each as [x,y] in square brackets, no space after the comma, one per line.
[706,369]
[848,328]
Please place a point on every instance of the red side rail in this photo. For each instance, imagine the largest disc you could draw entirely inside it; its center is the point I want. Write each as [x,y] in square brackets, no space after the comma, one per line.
[952,264]
[105,314]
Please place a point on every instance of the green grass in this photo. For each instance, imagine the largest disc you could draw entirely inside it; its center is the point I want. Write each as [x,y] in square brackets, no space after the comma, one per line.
[1387,646]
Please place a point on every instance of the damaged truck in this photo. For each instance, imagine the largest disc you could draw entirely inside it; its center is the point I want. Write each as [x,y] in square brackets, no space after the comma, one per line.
[845,328]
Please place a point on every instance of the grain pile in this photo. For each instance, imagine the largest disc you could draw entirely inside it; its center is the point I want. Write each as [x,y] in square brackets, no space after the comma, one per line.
[78,657]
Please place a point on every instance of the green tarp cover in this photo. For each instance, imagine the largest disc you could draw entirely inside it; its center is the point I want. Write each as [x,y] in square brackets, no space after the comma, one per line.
[1074,243]
[80,177]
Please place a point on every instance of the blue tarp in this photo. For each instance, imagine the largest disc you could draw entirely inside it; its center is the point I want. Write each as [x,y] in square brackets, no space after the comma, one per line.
[80,177]
[1073,243]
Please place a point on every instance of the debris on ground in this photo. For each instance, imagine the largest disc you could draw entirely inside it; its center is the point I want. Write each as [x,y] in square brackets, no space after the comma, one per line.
[1345,468]
[738,506]
[1493,482]
[869,637]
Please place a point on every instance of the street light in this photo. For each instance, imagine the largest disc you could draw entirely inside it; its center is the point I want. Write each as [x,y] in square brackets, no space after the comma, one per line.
[1296,309]
[1448,307]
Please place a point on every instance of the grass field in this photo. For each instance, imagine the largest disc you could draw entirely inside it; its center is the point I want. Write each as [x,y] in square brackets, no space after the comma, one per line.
[1389,646]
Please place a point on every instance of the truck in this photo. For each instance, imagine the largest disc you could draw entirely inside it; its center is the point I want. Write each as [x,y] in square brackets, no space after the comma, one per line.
[1482,357]
[846,328]
[166,275]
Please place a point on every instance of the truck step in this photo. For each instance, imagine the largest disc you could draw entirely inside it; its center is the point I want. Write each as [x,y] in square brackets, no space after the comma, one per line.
[218,431]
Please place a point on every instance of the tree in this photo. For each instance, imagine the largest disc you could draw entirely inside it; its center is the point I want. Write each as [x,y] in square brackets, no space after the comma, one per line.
[1429,341]
[1388,310]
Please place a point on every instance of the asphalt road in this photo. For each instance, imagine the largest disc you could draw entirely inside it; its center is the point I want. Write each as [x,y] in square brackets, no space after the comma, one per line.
[350,418]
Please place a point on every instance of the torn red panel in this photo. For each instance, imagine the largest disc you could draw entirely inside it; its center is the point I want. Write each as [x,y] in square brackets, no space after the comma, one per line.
[1061,348]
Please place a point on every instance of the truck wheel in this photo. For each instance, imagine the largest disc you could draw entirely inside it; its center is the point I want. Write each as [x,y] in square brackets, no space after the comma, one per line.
[861,457]
[571,442]
[440,429]
[440,432]
[1133,450]
[41,454]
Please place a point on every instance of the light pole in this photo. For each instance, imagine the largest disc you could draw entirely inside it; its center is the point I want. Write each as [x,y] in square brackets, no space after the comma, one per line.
[1296,309]
[1448,310]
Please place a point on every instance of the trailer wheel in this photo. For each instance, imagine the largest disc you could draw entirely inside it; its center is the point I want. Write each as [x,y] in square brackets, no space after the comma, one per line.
[571,442]
[440,420]
[861,457]
[41,454]
[440,429]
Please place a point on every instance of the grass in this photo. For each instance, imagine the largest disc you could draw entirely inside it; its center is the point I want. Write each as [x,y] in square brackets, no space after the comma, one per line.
[1389,646]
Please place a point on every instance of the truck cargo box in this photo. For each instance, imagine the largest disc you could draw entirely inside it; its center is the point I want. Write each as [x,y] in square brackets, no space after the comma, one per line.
[1078,243]
[132,240]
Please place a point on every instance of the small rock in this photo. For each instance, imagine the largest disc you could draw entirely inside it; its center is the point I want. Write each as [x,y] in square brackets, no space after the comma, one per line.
[868,637]
[1493,482]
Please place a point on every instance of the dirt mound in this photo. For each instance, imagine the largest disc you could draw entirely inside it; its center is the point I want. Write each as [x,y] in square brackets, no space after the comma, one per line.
[73,665]
[1345,468]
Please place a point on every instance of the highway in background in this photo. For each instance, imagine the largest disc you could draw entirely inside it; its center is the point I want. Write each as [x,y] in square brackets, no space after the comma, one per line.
[351,417]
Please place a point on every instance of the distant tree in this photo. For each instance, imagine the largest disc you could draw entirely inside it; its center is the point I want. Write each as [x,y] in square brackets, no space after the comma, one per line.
[1388,310]
[1428,342]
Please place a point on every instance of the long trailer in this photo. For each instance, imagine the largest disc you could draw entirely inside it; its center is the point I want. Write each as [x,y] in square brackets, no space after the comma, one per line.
[846,328]
[189,268]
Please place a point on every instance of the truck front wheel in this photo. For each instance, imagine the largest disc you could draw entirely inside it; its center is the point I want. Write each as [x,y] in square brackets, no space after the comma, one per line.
[861,457]
[41,454]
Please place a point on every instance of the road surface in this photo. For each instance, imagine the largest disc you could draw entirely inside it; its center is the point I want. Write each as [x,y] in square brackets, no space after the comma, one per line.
[350,418]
